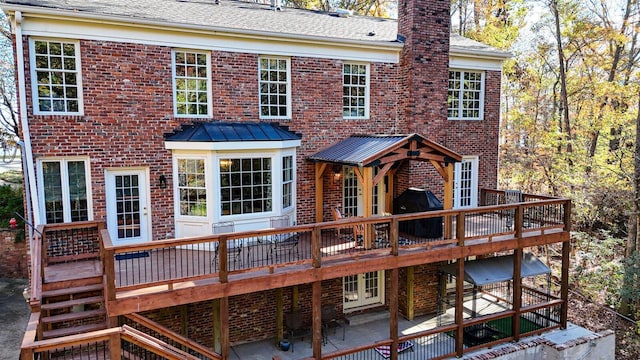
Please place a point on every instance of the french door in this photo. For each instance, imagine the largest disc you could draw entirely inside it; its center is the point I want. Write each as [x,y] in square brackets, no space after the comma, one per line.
[127,206]
[465,188]
[363,289]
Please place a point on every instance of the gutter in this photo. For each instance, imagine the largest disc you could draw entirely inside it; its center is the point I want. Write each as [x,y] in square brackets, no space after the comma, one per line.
[203,29]
[22,105]
[479,54]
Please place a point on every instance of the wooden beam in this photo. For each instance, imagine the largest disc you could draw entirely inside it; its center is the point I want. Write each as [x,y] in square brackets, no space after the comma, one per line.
[381,173]
[225,345]
[316,312]
[358,171]
[279,315]
[410,293]
[441,170]
[393,312]
[517,293]
[320,167]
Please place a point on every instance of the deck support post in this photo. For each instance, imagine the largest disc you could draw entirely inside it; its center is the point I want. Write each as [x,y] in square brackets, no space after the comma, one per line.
[460,307]
[517,293]
[564,283]
[320,167]
[217,325]
[316,312]
[224,330]
[280,314]
[410,290]
[393,312]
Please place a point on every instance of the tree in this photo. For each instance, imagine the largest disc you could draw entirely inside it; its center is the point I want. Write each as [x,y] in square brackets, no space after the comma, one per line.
[8,104]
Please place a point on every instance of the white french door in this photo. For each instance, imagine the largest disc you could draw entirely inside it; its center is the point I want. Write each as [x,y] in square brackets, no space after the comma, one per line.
[127,206]
[352,200]
[465,187]
[363,289]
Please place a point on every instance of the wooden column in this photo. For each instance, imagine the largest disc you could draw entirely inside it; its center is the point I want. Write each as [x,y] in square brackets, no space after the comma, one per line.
[393,312]
[388,203]
[295,298]
[223,259]
[367,196]
[459,307]
[410,292]
[316,305]
[217,325]
[279,315]
[320,167]
[224,328]
[448,200]
[564,283]
[517,292]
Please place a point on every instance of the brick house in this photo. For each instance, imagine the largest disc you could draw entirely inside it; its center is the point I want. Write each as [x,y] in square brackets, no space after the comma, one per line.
[166,120]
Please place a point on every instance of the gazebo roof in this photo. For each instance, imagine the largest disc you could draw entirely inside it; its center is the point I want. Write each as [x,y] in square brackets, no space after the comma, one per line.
[374,150]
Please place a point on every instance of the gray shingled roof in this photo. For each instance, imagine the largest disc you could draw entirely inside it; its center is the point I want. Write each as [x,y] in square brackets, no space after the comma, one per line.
[227,131]
[242,17]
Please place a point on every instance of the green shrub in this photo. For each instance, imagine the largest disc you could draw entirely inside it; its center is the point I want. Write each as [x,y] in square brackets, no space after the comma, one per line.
[11,202]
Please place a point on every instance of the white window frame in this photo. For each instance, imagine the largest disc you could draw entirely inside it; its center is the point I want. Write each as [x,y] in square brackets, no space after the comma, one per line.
[461,91]
[174,77]
[64,180]
[291,182]
[35,98]
[473,162]
[288,87]
[362,301]
[207,177]
[367,87]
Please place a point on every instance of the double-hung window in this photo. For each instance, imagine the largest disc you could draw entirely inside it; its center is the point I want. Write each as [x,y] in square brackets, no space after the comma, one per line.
[355,91]
[191,83]
[274,88]
[287,181]
[466,95]
[65,195]
[192,187]
[56,77]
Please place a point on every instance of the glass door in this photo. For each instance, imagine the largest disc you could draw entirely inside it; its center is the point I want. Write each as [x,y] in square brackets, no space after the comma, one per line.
[127,207]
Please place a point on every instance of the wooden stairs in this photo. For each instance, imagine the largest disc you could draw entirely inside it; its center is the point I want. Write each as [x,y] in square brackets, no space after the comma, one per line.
[73,307]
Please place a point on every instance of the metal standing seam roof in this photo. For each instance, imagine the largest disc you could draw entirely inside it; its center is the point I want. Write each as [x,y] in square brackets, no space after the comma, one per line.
[357,148]
[496,269]
[228,131]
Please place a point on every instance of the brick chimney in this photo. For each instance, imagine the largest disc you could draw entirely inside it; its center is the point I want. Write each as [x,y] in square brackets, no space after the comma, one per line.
[424,65]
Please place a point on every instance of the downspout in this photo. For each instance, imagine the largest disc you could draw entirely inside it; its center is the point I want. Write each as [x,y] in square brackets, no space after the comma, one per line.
[28,166]
[28,195]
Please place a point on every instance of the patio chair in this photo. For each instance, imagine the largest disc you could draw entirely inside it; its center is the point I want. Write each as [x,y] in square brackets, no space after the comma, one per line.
[283,246]
[234,248]
[331,320]
[353,232]
[511,197]
[295,328]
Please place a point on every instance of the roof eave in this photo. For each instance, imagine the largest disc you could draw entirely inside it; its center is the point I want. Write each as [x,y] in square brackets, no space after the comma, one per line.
[58,14]
[479,54]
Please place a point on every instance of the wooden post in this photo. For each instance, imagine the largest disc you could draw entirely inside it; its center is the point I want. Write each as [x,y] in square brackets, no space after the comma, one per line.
[564,285]
[279,314]
[448,200]
[367,189]
[410,292]
[316,305]
[517,292]
[460,228]
[459,307]
[393,312]
[224,329]
[115,350]
[320,167]
[394,236]
[517,222]
[184,321]
[390,190]
[223,271]
[295,298]
[217,325]
[316,247]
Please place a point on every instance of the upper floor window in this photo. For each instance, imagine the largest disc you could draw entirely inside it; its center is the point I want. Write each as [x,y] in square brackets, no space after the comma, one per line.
[65,194]
[355,91]
[191,83]
[287,181]
[245,185]
[274,88]
[466,95]
[192,187]
[55,77]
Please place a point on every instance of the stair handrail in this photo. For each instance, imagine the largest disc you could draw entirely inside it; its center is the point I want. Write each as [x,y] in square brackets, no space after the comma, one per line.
[153,344]
[187,343]
[37,272]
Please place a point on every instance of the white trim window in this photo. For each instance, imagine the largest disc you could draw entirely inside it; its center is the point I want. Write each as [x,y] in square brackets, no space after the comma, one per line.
[64,194]
[466,95]
[192,187]
[191,83]
[274,87]
[287,181]
[355,91]
[246,185]
[56,79]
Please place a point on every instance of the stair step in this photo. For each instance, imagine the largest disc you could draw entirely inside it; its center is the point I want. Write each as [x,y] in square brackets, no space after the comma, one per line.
[73,290]
[65,284]
[73,330]
[73,316]
[74,302]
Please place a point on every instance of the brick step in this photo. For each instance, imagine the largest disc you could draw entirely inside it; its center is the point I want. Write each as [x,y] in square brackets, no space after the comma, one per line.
[73,290]
[71,303]
[73,316]
[57,285]
[73,330]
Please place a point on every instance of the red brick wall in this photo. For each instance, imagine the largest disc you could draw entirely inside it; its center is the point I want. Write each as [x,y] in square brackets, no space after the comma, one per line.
[14,259]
